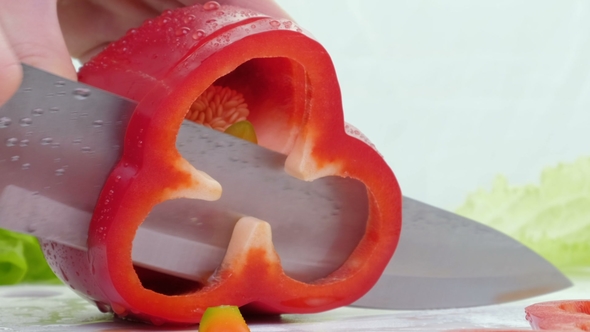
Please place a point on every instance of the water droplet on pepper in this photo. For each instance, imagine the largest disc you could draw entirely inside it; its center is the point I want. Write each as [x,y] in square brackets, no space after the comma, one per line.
[211,5]
[183,31]
[189,18]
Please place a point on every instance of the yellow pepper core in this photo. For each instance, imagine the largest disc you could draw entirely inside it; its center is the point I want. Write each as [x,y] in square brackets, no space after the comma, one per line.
[224,318]
[244,130]
[218,108]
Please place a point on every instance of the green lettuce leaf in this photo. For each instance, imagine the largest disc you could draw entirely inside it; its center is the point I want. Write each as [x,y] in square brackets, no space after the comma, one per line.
[21,260]
[552,218]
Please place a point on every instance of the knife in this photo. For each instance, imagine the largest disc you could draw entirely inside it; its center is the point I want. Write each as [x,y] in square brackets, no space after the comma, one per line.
[61,139]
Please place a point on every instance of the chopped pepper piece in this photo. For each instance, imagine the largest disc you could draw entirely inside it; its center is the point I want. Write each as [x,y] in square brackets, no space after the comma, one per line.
[568,315]
[223,319]
[290,87]
[244,130]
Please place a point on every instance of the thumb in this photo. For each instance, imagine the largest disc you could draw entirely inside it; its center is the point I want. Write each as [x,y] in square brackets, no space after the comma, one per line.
[30,33]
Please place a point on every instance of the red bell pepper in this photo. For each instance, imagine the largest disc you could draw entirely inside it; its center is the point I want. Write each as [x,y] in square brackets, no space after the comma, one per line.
[294,101]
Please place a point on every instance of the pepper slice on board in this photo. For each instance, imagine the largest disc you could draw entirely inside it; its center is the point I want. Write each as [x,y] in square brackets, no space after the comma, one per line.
[567,315]
[289,83]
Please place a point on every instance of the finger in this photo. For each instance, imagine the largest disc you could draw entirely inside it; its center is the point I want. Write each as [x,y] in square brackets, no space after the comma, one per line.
[10,70]
[32,31]
[88,26]
[162,5]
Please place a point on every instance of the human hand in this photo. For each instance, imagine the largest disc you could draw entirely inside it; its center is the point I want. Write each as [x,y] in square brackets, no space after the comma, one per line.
[47,33]
[30,33]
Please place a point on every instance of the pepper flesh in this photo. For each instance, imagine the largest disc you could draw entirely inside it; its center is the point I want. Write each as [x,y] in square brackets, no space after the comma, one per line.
[165,65]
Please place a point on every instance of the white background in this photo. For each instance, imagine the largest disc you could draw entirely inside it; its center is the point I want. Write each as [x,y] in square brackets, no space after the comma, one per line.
[455,92]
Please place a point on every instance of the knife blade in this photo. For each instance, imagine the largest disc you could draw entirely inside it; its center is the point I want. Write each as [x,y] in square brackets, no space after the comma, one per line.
[444,260]
[62,144]
[63,137]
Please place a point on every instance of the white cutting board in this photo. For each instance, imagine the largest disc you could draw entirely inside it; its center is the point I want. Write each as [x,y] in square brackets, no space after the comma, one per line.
[56,308]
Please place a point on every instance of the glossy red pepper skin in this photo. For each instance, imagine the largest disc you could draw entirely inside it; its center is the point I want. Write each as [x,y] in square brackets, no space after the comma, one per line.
[165,65]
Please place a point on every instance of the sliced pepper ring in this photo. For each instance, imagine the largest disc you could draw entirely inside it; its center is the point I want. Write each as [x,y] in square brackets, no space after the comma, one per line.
[165,65]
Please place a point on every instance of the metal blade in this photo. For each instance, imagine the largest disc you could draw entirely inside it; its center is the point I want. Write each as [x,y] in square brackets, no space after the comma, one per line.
[61,144]
[445,261]
[62,138]
[315,225]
